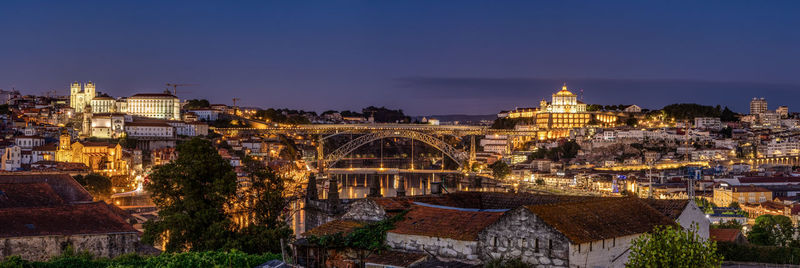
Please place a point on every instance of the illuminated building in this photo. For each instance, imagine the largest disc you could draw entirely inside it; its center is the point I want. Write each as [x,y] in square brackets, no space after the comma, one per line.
[155,105]
[79,99]
[101,157]
[758,105]
[562,113]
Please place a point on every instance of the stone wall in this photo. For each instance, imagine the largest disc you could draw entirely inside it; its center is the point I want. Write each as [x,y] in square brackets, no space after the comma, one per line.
[440,247]
[604,253]
[364,210]
[39,248]
[516,235]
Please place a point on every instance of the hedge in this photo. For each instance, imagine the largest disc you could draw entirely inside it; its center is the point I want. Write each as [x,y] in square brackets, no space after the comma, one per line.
[187,259]
[760,254]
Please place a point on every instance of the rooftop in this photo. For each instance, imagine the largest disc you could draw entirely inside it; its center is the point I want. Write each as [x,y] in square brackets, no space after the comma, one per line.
[86,218]
[438,222]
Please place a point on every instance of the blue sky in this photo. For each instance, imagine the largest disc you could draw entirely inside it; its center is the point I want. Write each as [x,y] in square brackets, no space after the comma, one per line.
[426,57]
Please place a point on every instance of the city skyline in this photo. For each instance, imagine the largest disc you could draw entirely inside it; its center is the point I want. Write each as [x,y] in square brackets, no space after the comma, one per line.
[483,58]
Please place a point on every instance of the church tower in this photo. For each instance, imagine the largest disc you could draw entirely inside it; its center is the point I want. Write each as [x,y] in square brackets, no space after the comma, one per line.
[74,90]
[89,92]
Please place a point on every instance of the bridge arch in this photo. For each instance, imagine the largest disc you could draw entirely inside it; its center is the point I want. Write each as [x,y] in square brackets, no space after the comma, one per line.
[339,154]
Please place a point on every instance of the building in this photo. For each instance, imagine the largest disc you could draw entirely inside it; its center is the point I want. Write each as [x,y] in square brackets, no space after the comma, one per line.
[633,109]
[758,106]
[149,129]
[495,144]
[782,147]
[723,196]
[43,213]
[208,115]
[80,98]
[155,105]
[783,111]
[563,113]
[712,123]
[103,104]
[12,158]
[107,125]
[100,157]
[769,119]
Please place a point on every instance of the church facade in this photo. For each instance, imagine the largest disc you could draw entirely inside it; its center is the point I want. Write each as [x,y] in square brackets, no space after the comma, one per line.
[79,97]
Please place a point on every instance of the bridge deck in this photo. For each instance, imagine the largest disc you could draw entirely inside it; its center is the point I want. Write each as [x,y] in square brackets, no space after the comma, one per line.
[389,171]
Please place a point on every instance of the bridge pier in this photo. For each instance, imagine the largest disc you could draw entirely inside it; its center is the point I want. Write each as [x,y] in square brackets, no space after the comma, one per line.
[401,185]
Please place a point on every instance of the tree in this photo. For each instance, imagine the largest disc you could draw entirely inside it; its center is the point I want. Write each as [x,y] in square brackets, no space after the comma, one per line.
[500,170]
[731,224]
[670,246]
[196,104]
[734,205]
[772,230]
[192,193]
[727,115]
[97,185]
[631,121]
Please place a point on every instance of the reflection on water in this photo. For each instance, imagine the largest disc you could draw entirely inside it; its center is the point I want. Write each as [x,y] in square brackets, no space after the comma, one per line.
[353,186]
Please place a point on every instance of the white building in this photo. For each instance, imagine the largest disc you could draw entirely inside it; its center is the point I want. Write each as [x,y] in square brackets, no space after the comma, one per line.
[633,109]
[783,111]
[149,129]
[782,147]
[713,123]
[80,98]
[155,105]
[495,143]
[770,119]
[108,125]
[208,114]
[12,158]
[103,105]
[758,105]
[28,142]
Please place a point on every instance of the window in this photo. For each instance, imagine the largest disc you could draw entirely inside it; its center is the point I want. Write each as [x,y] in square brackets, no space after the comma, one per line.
[536,246]
[550,246]
[494,241]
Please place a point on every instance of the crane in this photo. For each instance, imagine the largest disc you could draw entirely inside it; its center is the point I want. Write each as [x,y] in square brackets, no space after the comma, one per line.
[175,87]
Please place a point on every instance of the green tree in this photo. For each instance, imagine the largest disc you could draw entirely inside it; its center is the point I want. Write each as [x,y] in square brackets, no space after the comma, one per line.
[500,170]
[192,193]
[734,205]
[727,225]
[772,230]
[631,121]
[196,104]
[97,185]
[670,246]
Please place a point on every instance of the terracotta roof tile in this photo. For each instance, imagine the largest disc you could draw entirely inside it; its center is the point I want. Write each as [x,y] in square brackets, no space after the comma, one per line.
[724,235]
[62,184]
[599,219]
[37,194]
[87,218]
[672,208]
[439,222]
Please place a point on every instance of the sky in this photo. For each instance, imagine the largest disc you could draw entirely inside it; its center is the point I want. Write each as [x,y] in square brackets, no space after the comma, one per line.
[425,57]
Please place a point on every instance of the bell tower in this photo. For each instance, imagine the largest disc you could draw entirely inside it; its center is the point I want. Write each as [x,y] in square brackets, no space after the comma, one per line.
[89,91]
[74,90]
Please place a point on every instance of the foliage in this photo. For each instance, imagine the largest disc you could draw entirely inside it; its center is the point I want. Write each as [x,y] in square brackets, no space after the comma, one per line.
[259,238]
[772,230]
[631,121]
[566,150]
[507,263]
[97,185]
[759,254]
[727,115]
[4,109]
[191,193]
[539,181]
[196,104]
[688,111]
[727,225]
[510,123]
[734,205]
[669,246]
[283,116]
[384,115]
[128,142]
[704,204]
[500,170]
[187,259]
[370,237]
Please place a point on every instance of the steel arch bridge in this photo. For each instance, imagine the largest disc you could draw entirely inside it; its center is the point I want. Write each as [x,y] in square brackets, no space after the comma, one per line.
[456,155]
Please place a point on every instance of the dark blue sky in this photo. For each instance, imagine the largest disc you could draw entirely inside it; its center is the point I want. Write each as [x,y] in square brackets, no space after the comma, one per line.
[426,57]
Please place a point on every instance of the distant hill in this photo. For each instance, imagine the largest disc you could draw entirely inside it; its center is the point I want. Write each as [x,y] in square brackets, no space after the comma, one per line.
[463,119]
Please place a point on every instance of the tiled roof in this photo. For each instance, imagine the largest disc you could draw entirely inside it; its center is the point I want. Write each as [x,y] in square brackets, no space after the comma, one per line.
[440,222]
[598,219]
[395,258]
[745,189]
[86,218]
[672,208]
[19,195]
[723,235]
[748,180]
[332,227]
[62,184]
[46,147]
[477,200]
